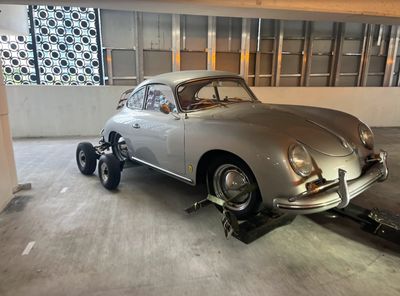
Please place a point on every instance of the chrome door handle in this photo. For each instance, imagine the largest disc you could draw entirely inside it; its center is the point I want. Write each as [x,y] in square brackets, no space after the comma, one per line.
[136,125]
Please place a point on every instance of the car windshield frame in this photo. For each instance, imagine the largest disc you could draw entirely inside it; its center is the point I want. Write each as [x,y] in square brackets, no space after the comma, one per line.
[253,98]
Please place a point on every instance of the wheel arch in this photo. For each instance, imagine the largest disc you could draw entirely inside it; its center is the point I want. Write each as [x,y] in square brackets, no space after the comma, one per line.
[207,157]
[111,135]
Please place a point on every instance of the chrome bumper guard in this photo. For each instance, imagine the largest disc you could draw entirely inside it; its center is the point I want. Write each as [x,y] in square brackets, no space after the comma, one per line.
[336,193]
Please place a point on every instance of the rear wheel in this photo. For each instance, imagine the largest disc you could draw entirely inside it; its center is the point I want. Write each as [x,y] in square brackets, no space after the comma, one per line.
[109,171]
[86,158]
[227,176]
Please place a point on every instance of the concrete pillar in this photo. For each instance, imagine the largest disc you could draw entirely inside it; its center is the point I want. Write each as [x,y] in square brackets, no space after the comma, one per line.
[8,173]
[176,42]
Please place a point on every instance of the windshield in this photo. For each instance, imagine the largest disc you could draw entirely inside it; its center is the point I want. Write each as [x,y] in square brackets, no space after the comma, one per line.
[212,92]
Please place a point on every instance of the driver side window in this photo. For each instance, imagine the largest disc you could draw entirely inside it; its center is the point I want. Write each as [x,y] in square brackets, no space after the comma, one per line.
[160,98]
[135,101]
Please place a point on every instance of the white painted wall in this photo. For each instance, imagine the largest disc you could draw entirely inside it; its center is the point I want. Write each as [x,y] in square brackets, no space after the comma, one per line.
[47,111]
[376,106]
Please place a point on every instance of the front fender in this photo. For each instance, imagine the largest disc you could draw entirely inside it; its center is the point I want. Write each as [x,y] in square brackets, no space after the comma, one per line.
[263,150]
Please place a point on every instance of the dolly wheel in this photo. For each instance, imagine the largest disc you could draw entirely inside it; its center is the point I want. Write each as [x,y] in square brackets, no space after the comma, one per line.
[109,171]
[86,158]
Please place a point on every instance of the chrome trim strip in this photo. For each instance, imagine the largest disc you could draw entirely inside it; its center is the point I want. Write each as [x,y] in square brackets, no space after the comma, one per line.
[308,207]
[187,180]
[361,189]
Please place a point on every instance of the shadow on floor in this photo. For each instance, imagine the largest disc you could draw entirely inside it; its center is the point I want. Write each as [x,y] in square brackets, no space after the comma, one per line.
[17,204]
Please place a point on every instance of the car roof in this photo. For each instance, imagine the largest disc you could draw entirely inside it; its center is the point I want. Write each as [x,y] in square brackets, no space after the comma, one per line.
[174,78]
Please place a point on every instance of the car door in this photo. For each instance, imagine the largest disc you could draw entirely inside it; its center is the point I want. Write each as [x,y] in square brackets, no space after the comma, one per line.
[129,117]
[160,131]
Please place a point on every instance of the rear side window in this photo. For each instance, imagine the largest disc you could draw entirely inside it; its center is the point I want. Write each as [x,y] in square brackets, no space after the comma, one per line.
[135,101]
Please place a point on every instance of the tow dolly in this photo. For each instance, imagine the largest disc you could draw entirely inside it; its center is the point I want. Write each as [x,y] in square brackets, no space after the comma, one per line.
[376,221]
[248,230]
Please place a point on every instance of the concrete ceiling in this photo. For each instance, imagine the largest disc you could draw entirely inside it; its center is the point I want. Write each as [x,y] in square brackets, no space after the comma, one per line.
[366,11]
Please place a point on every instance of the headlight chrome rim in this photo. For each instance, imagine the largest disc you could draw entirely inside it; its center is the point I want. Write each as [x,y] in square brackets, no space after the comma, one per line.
[362,130]
[298,170]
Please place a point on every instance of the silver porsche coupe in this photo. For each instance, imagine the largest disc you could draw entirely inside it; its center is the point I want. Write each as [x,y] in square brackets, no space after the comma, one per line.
[207,127]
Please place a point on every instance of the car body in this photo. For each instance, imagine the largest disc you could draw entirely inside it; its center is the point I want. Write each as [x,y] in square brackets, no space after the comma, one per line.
[303,159]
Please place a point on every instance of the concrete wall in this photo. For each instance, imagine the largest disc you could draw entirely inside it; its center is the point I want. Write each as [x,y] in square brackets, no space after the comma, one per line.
[376,106]
[8,174]
[46,111]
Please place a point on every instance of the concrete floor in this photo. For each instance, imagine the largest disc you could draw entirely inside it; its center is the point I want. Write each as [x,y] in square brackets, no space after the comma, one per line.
[138,240]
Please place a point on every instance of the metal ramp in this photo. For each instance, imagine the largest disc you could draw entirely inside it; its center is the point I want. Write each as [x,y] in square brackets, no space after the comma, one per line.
[379,222]
[248,230]
[376,221]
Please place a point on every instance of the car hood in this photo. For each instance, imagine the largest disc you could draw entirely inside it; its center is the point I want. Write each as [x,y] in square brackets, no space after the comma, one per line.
[295,123]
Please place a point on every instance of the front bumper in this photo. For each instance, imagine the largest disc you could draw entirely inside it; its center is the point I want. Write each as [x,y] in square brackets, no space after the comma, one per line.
[337,193]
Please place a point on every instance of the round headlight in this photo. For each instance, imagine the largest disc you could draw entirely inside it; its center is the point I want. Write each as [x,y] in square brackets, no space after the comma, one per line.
[366,136]
[300,160]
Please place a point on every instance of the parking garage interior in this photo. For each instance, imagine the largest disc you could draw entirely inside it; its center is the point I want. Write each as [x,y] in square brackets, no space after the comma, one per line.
[63,71]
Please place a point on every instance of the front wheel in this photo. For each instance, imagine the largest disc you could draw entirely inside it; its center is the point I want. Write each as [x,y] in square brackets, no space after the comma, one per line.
[227,176]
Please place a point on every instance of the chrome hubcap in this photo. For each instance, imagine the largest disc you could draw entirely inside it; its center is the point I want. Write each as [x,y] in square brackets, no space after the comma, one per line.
[122,149]
[104,172]
[229,181]
[82,158]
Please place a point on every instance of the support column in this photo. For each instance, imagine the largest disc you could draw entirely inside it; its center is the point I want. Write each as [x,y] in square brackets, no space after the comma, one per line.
[211,43]
[364,44]
[367,55]
[245,49]
[99,39]
[307,54]
[34,48]
[176,42]
[258,55]
[337,54]
[277,59]
[138,21]
[8,177]
[391,55]
[183,45]
[110,75]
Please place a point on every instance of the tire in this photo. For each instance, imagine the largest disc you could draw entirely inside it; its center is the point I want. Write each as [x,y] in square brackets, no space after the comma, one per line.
[119,148]
[86,158]
[232,169]
[109,171]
